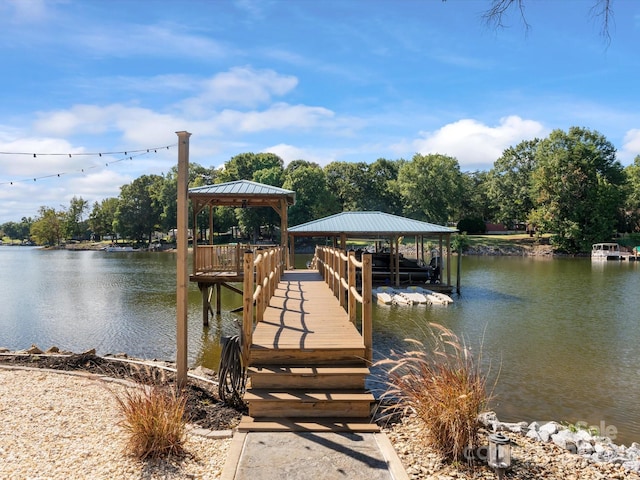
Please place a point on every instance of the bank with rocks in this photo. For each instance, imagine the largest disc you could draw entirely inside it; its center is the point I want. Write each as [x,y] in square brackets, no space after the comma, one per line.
[581,440]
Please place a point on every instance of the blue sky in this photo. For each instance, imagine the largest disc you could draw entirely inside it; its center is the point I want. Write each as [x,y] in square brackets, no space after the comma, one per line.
[319,80]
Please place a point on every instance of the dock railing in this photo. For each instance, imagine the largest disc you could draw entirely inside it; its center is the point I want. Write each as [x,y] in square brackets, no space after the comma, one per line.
[221,258]
[262,273]
[340,273]
[218,258]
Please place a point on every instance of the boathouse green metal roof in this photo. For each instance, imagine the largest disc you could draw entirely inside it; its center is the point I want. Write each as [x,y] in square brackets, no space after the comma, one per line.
[367,224]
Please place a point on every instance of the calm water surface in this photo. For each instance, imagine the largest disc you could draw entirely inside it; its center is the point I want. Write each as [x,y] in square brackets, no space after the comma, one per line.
[564,334]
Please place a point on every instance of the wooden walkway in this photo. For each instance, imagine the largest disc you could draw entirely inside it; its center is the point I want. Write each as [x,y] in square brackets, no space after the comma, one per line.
[303,316]
[307,364]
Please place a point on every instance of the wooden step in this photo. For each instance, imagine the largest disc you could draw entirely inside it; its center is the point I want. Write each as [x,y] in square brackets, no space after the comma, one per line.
[250,424]
[301,377]
[296,356]
[303,403]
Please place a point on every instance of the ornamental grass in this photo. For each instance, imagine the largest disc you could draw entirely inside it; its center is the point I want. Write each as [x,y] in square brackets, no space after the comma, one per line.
[154,418]
[442,384]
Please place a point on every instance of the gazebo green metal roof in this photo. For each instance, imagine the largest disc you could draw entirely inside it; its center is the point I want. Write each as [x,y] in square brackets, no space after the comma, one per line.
[367,224]
[242,192]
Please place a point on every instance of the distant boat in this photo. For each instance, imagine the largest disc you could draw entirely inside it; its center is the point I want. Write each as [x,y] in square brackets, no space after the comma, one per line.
[606,251]
[117,248]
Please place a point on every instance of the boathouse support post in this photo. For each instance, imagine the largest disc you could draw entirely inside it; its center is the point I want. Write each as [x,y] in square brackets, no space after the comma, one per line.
[182,277]
[206,299]
[448,259]
[458,269]
[218,299]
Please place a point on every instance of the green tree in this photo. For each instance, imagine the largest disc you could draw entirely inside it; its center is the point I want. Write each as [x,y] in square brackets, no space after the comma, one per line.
[47,229]
[579,187]
[75,226]
[431,187]
[17,231]
[244,165]
[139,210]
[632,207]
[383,194]
[475,202]
[350,183]
[313,197]
[102,218]
[509,183]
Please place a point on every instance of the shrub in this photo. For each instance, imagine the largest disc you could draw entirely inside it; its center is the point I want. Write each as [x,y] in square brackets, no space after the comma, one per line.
[472,226]
[444,388]
[155,421]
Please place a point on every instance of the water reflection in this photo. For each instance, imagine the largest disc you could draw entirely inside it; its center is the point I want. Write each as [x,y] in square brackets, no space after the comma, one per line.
[563,332]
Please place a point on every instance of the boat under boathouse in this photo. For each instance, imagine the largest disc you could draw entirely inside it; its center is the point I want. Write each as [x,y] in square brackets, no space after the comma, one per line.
[385,231]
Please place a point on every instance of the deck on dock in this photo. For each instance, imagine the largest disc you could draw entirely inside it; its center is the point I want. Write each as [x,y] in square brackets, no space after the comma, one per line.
[307,364]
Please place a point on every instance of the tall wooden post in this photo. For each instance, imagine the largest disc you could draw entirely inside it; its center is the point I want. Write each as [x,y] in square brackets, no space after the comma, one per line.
[182,279]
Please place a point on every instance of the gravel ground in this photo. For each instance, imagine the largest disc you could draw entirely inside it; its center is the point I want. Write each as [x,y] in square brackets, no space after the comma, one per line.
[62,426]
[65,426]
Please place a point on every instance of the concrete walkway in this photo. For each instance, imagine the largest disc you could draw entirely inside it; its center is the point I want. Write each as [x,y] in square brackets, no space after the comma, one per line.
[312,456]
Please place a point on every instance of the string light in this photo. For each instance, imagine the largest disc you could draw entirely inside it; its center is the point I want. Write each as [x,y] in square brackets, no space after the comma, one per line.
[127,156]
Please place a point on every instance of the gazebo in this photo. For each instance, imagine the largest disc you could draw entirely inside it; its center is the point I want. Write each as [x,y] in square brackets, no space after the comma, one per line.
[221,265]
[242,194]
[379,226]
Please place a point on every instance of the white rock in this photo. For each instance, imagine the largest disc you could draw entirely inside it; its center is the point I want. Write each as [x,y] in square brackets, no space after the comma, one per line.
[633,465]
[583,435]
[551,428]
[488,419]
[536,435]
[584,447]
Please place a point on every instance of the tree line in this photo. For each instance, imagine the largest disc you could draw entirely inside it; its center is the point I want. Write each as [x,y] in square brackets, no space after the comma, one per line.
[569,184]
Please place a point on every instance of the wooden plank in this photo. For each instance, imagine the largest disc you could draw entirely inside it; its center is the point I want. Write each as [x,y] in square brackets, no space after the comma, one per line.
[288,424]
[278,377]
[301,357]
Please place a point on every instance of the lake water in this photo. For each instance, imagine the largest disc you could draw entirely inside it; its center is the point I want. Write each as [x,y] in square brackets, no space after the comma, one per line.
[564,334]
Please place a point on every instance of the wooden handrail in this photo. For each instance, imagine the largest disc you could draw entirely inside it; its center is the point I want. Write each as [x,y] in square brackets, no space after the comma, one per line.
[221,258]
[262,272]
[218,258]
[340,273]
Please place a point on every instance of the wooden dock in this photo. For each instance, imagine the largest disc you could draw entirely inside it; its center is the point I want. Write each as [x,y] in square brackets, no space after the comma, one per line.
[307,362]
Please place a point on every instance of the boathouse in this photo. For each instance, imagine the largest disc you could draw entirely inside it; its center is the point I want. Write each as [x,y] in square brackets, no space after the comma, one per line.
[386,230]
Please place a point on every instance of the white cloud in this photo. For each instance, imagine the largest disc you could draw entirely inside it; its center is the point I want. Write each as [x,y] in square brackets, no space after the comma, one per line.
[475,144]
[22,11]
[278,117]
[289,153]
[240,87]
[149,40]
[141,126]
[630,146]
[16,167]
